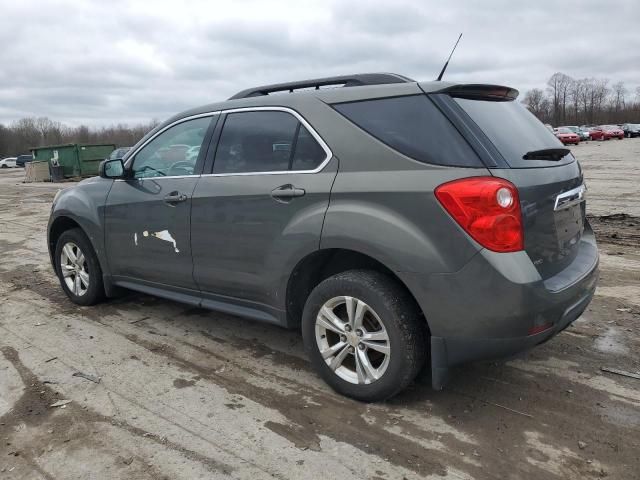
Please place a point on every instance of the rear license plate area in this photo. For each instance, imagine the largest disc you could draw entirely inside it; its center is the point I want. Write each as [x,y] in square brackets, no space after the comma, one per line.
[569,224]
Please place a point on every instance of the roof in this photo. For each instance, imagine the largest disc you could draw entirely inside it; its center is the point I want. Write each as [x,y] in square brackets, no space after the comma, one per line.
[346,88]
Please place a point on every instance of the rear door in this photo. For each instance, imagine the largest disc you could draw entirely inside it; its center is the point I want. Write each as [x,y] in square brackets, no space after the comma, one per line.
[550,185]
[148,216]
[261,207]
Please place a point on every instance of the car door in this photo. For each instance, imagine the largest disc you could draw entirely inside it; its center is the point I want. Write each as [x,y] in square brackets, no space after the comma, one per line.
[262,207]
[147,215]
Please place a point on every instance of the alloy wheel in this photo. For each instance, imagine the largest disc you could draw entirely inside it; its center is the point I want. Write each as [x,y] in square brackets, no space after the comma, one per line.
[352,340]
[74,269]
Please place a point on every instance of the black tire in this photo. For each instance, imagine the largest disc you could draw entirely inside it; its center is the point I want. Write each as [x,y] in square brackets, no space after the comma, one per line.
[3,166]
[94,292]
[397,311]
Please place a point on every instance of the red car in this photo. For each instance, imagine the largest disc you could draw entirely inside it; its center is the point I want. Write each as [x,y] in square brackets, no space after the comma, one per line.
[612,131]
[566,136]
[596,133]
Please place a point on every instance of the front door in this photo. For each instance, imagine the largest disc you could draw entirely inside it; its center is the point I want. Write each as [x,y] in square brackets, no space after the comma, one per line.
[147,216]
[261,208]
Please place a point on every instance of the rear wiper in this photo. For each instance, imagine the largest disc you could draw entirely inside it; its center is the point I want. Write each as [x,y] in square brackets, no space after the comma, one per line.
[554,154]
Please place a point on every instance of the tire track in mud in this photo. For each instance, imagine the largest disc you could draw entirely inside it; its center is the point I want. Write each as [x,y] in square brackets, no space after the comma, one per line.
[33,409]
[334,417]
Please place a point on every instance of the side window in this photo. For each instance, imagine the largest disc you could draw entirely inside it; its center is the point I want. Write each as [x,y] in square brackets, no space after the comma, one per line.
[265,141]
[413,126]
[174,152]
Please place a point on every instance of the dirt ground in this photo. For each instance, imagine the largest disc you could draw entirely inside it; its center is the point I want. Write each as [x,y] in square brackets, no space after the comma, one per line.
[186,393]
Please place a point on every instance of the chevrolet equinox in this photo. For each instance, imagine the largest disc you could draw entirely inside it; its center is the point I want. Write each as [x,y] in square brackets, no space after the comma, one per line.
[394,222]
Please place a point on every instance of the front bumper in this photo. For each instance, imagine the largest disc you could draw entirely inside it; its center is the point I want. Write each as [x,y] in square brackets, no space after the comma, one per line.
[489,308]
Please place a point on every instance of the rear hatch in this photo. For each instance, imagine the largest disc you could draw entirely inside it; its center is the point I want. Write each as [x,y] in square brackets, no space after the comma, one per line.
[548,178]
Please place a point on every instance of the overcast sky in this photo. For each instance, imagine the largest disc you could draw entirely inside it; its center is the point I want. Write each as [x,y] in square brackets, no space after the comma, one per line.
[104,62]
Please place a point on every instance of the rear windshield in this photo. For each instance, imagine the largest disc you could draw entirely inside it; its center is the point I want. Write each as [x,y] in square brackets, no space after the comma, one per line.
[513,130]
[413,126]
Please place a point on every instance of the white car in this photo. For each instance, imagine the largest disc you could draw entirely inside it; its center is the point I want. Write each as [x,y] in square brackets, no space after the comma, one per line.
[9,162]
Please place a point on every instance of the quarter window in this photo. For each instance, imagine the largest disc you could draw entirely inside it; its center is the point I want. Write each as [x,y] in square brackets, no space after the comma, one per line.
[413,126]
[172,153]
[308,154]
[265,141]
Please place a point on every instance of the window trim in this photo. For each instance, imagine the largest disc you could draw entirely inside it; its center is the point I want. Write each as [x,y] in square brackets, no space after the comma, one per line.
[132,156]
[300,118]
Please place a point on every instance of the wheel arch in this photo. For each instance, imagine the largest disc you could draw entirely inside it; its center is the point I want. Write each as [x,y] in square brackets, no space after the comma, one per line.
[58,226]
[64,222]
[321,264]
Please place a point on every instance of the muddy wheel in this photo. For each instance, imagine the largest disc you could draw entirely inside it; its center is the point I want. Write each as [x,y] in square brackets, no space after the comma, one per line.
[364,334]
[78,268]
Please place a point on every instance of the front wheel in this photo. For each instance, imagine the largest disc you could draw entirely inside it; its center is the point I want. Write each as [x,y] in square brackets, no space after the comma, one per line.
[364,334]
[78,268]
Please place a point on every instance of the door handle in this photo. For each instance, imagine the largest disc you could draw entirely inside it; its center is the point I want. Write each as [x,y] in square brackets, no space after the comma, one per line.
[175,197]
[287,192]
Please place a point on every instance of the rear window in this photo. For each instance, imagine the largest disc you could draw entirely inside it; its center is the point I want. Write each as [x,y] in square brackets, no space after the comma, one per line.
[413,126]
[513,130]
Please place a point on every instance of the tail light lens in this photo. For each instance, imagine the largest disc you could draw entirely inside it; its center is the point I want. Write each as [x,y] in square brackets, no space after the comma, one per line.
[487,208]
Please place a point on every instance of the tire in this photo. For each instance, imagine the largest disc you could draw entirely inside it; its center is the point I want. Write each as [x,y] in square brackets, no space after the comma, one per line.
[3,166]
[85,285]
[389,311]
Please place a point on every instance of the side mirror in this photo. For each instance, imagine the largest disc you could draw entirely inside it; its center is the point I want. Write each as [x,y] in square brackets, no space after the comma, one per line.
[112,168]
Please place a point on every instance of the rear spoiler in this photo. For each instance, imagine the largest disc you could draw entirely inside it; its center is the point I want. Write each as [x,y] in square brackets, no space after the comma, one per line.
[494,93]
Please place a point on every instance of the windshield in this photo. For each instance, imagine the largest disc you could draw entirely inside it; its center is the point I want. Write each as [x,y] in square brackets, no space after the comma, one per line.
[564,130]
[513,130]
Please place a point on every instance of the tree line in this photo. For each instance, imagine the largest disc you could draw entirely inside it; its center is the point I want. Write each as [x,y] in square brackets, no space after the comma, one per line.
[584,101]
[20,136]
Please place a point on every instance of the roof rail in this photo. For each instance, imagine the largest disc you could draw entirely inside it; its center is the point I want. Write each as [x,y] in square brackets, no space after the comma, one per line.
[356,80]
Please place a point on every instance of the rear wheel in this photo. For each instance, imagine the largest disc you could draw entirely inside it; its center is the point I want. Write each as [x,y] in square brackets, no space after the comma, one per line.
[364,334]
[78,268]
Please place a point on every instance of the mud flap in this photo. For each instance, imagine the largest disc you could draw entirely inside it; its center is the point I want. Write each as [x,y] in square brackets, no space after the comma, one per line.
[439,363]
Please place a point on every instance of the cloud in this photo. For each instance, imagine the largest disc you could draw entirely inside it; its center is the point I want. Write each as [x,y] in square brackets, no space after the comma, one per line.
[95,62]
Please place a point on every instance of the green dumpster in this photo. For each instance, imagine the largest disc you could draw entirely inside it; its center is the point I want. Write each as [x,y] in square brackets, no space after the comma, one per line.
[76,160]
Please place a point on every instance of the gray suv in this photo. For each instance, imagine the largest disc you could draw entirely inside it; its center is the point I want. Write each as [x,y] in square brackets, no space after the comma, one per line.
[394,222]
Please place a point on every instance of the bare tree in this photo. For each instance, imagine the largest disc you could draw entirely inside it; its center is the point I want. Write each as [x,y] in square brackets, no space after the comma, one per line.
[558,86]
[576,89]
[536,101]
[583,101]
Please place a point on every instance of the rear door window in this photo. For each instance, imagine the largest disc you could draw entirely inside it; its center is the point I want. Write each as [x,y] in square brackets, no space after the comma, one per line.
[413,126]
[514,131]
[266,141]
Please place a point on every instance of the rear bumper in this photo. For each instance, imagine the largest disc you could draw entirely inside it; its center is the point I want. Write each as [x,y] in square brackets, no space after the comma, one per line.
[489,308]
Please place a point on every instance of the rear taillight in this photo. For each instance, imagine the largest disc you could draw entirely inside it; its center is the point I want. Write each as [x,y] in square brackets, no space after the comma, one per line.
[487,208]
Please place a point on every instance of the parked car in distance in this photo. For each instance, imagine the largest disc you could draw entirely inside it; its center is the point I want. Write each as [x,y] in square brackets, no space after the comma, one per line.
[288,217]
[583,134]
[22,159]
[9,162]
[612,131]
[631,130]
[595,133]
[118,153]
[566,136]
